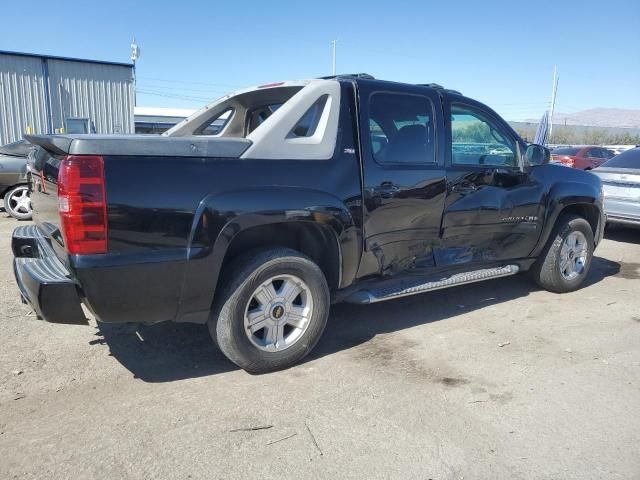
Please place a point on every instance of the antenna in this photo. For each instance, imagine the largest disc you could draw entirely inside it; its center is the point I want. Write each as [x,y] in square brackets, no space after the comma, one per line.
[333,56]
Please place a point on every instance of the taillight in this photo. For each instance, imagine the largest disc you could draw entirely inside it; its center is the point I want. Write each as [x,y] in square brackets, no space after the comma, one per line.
[82,204]
[568,161]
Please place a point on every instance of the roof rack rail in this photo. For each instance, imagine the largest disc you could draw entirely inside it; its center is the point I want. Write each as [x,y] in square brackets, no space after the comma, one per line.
[364,76]
[437,86]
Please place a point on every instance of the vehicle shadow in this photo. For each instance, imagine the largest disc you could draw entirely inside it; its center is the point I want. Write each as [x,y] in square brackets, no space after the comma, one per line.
[163,352]
[170,351]
[352,325]
[622,234]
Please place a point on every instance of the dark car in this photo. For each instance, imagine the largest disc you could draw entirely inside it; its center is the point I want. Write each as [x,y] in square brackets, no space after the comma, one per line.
[621,182]
[13,179]
[339,189]
[582,158]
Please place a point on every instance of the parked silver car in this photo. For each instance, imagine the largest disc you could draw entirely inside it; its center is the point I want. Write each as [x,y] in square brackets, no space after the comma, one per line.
[13,179]
[621,182]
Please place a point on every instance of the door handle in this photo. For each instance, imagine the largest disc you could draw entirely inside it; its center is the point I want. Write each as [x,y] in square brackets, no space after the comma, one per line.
[464,187]
[387,189]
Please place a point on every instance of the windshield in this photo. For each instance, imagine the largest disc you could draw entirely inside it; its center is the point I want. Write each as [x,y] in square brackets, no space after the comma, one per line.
[628,159]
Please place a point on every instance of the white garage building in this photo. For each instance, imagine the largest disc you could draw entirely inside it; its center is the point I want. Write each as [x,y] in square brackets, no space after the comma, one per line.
[43,94]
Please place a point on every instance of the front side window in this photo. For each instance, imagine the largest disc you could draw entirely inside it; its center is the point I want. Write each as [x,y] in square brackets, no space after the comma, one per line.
[477,140]
[401,129]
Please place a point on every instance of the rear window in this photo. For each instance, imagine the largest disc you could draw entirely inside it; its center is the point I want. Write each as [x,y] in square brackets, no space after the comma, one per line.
[257,116]
[565,151]
[628,159]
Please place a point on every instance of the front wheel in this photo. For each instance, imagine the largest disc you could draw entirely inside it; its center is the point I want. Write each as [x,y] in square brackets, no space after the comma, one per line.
[564,263]
[271,310]
[17,203]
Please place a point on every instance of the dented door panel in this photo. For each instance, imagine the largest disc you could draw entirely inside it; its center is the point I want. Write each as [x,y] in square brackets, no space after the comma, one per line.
[492,212]
[403,201]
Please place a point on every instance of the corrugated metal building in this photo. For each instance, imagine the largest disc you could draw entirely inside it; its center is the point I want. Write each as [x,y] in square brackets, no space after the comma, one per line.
[45,94]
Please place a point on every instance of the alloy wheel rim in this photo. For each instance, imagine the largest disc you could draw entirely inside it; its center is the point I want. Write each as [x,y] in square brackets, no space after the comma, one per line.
[20,201]
[278,313]
[573,255]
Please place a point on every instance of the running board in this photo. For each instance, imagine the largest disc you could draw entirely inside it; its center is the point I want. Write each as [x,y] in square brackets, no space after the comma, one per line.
[413,288]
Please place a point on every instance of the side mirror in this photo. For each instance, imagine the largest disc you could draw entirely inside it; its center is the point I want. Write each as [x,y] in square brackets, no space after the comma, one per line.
[537,155]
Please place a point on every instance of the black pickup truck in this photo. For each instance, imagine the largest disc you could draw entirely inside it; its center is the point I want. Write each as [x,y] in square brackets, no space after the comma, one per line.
[261,209]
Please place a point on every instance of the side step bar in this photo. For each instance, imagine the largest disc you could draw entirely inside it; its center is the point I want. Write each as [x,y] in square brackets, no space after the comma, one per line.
[420,286]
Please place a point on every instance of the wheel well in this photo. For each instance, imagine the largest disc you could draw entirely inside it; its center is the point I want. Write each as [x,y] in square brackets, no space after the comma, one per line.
[589,212]
[316,241]
[5,190]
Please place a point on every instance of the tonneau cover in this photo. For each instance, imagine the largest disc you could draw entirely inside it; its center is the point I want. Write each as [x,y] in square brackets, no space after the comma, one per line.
[141,145]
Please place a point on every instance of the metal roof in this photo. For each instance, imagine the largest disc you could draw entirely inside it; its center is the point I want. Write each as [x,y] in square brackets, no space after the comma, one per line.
[69,59]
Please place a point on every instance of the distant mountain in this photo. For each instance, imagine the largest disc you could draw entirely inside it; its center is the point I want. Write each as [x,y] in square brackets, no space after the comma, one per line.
[598,117]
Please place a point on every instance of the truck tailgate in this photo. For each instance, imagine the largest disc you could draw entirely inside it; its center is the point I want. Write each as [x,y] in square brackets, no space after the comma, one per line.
[43,177]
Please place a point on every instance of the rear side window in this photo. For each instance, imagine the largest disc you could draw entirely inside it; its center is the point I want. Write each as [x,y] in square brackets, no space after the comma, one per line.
[628,159]
[401,129]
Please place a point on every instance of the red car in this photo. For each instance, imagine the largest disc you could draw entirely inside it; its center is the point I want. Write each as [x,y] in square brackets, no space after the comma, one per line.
[582,158]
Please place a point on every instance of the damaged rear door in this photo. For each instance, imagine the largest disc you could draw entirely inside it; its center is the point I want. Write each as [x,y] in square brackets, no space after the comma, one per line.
[493,208]
[404,178]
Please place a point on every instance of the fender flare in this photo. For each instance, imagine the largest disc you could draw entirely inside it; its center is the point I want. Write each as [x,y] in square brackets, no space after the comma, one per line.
[220,217]
[566,194]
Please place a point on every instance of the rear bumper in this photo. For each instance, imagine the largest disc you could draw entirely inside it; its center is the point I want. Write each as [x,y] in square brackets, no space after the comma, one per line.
[44,282]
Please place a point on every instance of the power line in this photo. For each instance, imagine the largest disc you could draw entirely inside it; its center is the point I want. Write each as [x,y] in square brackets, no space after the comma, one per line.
[176,96]
[173,88]
[224,85]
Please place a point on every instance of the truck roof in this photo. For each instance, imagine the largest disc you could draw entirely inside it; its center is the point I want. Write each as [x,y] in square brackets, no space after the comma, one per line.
[205,111]
[360,77]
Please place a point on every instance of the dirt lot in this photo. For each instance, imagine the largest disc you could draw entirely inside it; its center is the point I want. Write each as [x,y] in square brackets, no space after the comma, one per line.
[414,388]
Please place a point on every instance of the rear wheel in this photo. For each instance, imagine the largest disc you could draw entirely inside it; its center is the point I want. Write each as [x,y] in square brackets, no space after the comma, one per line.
[17,203]
[271,311]
[565,261]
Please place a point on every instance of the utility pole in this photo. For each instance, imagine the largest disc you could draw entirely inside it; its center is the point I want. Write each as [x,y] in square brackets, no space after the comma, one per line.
[333,56]
[554,91]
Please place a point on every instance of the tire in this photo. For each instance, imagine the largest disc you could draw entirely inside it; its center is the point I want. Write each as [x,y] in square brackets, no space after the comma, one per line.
[568,235]
[255,290]
[17,203]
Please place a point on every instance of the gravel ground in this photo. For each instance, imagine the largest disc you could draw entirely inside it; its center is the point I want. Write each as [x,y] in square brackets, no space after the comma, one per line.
[492,380]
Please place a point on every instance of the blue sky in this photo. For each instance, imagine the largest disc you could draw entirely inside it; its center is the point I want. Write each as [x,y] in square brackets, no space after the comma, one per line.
[501,53]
